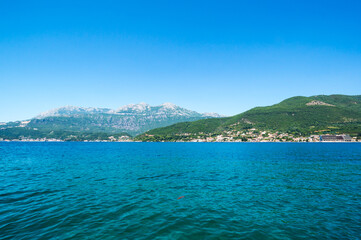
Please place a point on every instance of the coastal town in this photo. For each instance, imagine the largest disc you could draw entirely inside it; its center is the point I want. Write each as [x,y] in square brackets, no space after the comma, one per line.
[231,135]
[253,135]
[228,136]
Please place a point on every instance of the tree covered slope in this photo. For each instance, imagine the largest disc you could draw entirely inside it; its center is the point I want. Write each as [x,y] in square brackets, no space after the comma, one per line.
[297,115]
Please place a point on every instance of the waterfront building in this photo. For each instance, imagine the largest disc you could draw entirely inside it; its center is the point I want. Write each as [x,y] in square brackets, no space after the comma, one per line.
[335,138]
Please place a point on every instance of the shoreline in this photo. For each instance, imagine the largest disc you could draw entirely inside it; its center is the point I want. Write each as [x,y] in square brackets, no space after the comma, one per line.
[61,141]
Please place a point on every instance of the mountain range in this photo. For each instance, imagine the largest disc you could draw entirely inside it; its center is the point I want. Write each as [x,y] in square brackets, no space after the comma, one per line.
[79,123]
[298,116]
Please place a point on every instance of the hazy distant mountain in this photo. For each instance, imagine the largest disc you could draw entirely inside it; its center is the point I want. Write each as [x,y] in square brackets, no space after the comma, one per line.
[131,119]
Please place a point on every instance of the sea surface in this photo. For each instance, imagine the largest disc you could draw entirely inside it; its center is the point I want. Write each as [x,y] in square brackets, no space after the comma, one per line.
[180,190]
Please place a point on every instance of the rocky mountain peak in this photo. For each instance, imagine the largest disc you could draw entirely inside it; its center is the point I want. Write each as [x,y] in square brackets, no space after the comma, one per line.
[134,107]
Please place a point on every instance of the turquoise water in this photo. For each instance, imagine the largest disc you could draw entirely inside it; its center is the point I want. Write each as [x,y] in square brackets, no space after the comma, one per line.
[131,190]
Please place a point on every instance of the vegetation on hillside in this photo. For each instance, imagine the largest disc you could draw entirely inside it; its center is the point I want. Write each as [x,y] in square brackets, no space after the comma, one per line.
[23,133]
[299,116]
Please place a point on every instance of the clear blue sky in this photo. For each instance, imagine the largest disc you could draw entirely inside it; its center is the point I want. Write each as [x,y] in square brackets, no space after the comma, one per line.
[208,56]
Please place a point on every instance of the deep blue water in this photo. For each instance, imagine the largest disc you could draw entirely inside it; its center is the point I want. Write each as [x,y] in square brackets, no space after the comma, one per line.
[131,190]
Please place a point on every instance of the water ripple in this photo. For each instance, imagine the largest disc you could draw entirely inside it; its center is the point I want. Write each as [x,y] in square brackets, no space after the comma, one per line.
[131,191]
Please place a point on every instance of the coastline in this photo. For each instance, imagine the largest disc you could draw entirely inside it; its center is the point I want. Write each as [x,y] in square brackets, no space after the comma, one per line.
[100,141]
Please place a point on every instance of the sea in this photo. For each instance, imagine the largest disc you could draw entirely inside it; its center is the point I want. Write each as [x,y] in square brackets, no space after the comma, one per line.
[76,190]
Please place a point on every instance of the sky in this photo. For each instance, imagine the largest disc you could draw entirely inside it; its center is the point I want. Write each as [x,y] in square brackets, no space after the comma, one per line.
[208,56]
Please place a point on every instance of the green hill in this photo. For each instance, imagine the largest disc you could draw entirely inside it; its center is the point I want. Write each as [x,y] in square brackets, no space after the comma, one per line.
[299,116]
[19,133]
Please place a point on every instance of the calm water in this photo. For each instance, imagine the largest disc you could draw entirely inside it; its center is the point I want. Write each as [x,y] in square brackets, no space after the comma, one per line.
[131,190]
